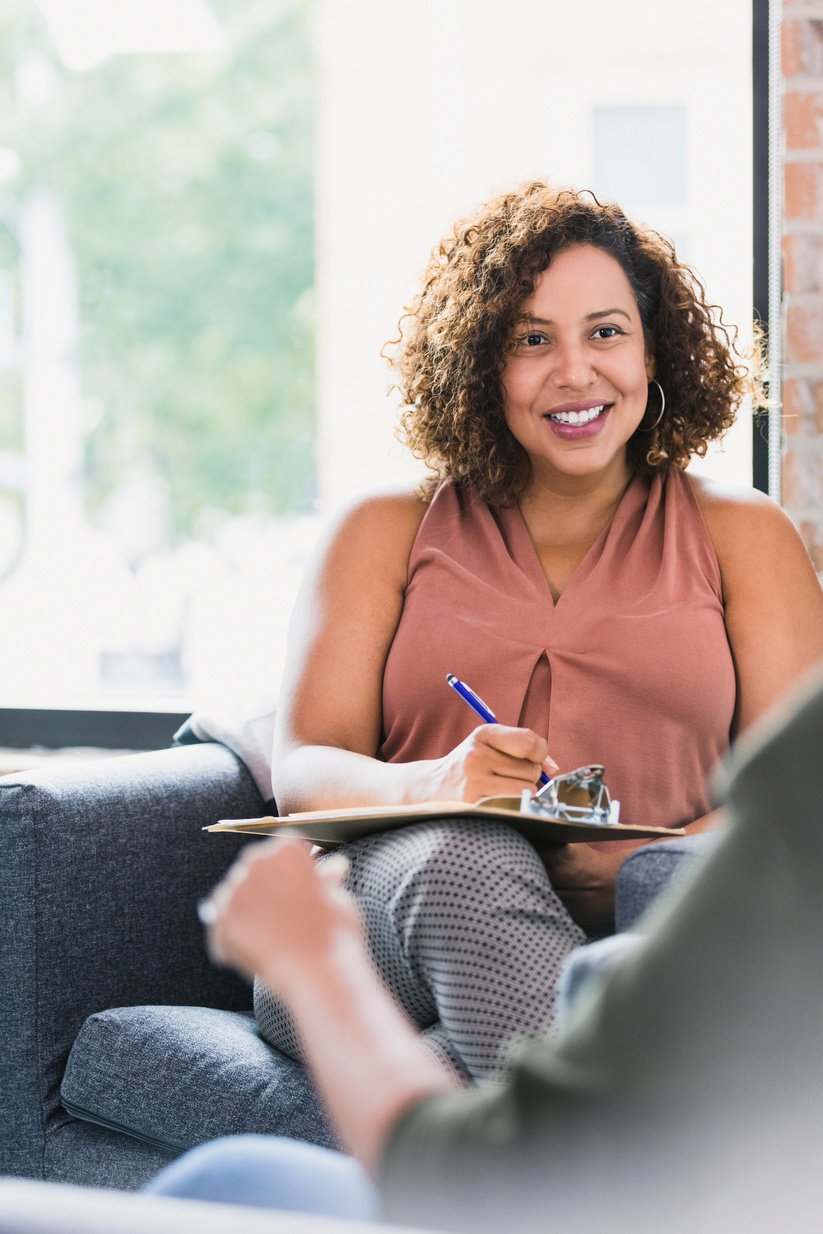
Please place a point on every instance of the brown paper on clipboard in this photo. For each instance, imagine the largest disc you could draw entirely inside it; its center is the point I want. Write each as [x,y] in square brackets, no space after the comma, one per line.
[333,827]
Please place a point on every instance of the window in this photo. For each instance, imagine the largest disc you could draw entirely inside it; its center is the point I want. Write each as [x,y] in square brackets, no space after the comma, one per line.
[452,102]
[156,341]
[202,252]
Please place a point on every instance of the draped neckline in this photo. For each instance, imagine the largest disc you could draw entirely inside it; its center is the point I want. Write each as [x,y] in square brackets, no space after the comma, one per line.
[527,558]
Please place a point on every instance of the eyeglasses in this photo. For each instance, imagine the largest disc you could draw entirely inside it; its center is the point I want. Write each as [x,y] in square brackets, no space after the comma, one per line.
[579,796]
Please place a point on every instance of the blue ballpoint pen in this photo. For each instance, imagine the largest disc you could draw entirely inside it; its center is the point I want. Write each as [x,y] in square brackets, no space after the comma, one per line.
[477,705]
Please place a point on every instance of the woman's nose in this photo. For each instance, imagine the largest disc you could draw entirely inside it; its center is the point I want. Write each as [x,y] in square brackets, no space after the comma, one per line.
[572,366]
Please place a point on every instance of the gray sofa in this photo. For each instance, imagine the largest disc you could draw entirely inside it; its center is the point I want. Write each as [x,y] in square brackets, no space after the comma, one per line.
[122,1045]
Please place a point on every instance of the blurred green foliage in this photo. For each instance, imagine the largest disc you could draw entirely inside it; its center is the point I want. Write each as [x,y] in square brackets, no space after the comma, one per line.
[186,185]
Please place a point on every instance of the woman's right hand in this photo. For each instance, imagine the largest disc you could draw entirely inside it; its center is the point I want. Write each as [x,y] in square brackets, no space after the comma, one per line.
[495,760]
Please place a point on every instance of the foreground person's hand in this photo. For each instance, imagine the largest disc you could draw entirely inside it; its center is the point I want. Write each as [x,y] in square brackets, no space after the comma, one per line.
[279,913]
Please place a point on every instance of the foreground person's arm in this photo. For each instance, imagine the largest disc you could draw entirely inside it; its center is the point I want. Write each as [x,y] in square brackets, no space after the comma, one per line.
[663,1101]
[282,916]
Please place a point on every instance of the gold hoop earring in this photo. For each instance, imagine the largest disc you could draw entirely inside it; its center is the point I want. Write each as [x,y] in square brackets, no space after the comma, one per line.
[652,427]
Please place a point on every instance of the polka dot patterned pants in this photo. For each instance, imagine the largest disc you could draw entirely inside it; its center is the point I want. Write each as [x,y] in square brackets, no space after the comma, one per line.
[465,931]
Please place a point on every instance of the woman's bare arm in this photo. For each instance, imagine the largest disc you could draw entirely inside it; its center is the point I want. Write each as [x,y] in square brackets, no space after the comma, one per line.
[773,599]
[330,710]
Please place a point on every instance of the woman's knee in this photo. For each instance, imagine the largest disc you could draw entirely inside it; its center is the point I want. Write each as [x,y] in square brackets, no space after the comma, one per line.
[458,878]
[469,854]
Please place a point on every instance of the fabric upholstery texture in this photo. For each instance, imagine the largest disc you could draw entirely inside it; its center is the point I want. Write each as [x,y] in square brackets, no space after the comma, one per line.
[181,1075]
[103,864]
[86,1155]
[649,870]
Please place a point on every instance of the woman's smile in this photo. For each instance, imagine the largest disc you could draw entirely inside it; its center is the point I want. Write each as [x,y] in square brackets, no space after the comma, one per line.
[576,377]
[576,420]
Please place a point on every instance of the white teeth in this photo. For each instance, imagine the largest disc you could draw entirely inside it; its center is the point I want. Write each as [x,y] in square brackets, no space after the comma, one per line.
[578,417]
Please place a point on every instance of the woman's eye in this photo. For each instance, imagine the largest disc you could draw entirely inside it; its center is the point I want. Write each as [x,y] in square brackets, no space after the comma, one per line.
[606,332]
[533,339]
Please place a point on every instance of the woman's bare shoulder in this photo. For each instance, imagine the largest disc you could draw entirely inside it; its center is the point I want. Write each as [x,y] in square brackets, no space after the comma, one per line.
[772,597]
[712,493]
[737,516]
[382,518]
[397,509]
[758,547]
[375,533]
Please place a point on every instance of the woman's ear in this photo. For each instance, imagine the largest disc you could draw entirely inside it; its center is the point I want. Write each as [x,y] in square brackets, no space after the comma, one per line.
[650,367]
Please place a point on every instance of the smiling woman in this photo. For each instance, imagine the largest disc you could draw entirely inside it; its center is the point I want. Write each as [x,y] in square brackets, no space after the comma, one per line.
[471,312]
[169,437]
[608,606]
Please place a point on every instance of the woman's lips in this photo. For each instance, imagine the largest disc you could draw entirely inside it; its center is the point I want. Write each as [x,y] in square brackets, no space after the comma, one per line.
[583,427]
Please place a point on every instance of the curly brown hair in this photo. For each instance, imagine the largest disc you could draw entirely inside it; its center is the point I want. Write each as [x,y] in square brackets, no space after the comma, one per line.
[455,337]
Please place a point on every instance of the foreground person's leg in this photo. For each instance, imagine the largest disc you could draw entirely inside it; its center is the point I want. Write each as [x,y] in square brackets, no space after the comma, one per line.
[270,1172]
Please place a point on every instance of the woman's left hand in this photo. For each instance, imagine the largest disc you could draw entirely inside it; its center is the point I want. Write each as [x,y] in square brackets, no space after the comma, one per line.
[583,875]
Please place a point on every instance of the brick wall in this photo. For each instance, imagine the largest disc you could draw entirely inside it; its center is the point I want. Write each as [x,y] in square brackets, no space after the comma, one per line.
[802,53]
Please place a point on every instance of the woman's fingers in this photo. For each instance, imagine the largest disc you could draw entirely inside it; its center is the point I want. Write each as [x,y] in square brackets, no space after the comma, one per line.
[494,760]
[520,745]
[517,742]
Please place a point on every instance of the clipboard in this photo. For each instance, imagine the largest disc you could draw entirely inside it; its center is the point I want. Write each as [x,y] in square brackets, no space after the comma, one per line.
[331,828]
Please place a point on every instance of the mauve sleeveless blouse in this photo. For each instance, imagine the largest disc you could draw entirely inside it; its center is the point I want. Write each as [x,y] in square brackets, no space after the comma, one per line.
[630,668]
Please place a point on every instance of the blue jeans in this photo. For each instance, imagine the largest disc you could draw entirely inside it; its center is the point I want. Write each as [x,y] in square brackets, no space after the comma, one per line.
[264,1171]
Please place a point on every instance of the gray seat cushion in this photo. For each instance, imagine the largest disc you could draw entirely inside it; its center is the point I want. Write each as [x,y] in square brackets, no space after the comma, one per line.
[176,1076]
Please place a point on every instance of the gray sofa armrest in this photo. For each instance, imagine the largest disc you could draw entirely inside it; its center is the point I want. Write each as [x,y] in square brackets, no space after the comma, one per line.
[652,869]
[103,863]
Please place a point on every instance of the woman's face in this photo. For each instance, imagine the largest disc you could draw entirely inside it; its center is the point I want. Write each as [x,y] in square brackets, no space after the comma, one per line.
[576,380]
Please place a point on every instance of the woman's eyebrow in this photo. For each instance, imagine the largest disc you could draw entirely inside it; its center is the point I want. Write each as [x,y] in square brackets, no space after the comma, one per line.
[609,312]
[544,321]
